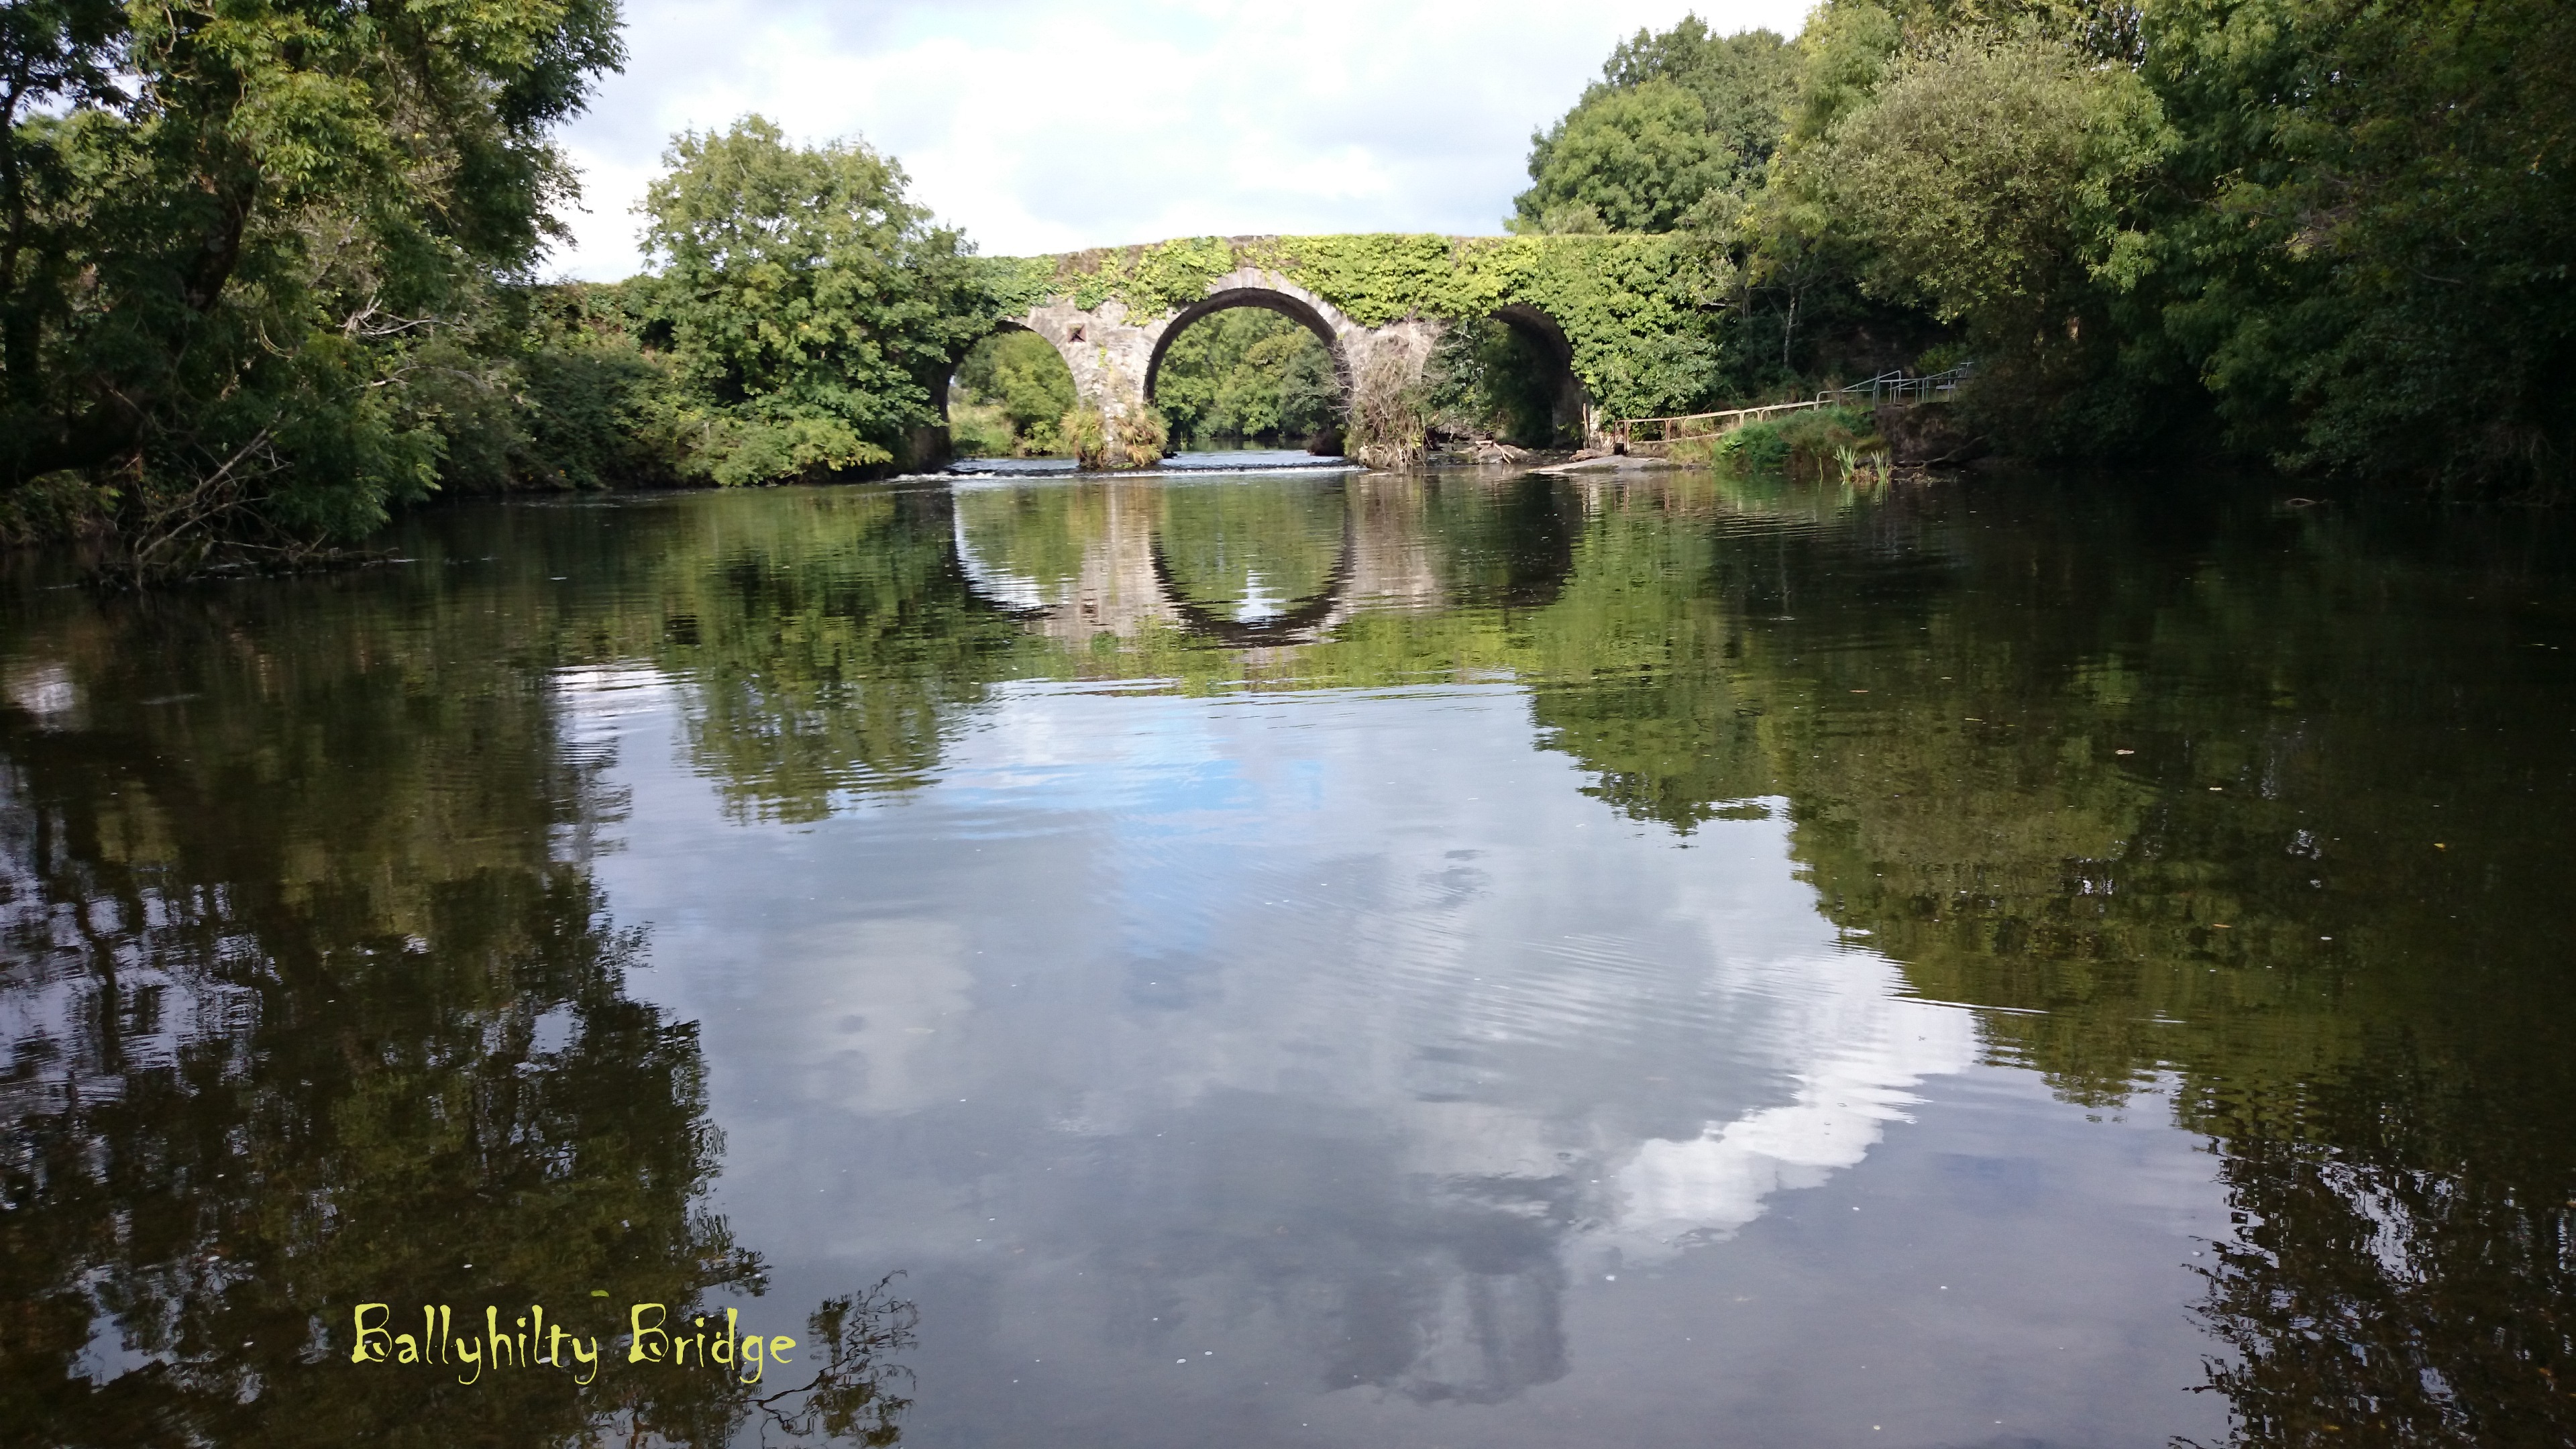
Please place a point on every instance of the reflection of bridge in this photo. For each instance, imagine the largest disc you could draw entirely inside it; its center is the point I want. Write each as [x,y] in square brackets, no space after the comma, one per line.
[1125,585]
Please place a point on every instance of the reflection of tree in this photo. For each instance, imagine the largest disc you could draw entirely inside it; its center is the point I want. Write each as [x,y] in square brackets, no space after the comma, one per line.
[1939,698]
[1228,547]
[852,1340]
[2387,1104]
[2379,1298]
[305,1006]
[304,1012]
[1037,535]
[830,645]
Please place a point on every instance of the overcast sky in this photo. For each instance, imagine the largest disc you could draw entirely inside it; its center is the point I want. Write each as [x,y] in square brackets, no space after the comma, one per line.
[1044,125]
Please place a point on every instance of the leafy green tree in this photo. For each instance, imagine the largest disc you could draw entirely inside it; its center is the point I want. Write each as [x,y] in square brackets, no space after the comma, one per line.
[813,309]
[1991,178]
[1635,158]
[232,230]
[1676,131]
[2374,275]
[2340,230]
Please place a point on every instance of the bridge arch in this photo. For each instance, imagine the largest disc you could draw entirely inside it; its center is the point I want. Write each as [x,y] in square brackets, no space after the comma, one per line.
[1302,308]
[1568,404]
[1027,416]
[1117,356]
[1002,327]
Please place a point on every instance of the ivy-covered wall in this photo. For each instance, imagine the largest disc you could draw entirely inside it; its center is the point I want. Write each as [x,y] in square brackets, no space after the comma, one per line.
[1621,300]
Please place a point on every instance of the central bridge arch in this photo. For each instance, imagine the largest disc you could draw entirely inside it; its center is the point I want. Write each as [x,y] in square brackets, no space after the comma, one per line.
[1294,303]
[1116,356]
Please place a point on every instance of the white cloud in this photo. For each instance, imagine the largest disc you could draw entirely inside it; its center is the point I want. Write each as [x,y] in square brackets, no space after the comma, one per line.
[1041,126]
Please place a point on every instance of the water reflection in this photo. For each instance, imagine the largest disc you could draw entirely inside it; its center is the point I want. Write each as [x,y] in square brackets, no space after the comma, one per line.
[1220,562]
[309,999]
[1291,957]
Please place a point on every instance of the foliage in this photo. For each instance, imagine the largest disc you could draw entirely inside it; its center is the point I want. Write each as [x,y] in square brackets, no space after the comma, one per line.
[2374,277]
[1756,447]
[1164,277]
[811,308]
[2341,229]
[238,235]
[1843,52]
[1989,176]
[1743,80]
[1021,378]
[1677,131]
[1246,374]
[599,409]
[1138,437]
[1085,434]
[1809,444]
[554,392]
[1631,159]
[980,430]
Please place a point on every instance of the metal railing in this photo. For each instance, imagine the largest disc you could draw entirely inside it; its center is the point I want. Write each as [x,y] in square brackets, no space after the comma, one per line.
[1892,387]
[1897,387]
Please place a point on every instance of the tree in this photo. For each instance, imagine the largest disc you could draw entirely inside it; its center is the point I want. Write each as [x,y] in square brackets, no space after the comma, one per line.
[812,307]
[1988,177]
[2338,231]
[1632,159]
[2374,277]
[1678,129]
[230,230]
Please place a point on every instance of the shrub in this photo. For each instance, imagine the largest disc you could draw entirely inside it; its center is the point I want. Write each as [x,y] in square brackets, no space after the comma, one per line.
[980,430]
[1388,410]
[1134,439]
[1803,443]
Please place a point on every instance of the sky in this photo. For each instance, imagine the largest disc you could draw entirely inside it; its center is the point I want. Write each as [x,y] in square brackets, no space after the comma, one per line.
[1042,125]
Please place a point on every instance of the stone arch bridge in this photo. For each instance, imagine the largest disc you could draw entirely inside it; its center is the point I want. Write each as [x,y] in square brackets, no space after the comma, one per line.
[1379,303]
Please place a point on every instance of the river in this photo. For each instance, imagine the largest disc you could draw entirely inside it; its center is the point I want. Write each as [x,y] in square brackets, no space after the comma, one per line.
[1477,958]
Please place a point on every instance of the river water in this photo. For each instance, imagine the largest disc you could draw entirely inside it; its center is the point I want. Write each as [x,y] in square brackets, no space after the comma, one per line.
[1477,959]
